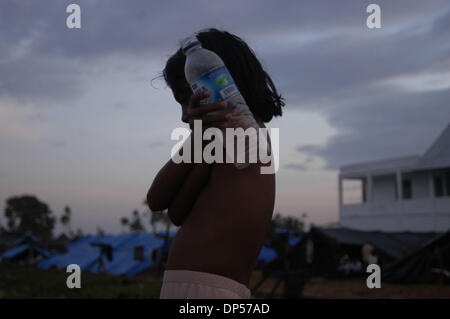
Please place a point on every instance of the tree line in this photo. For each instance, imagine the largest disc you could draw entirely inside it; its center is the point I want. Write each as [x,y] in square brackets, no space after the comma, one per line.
[28,214]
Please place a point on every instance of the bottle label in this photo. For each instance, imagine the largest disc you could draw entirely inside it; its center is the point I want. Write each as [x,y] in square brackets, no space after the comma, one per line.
[218,82]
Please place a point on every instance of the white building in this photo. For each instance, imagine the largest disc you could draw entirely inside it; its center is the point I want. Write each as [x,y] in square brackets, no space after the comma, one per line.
[409,193]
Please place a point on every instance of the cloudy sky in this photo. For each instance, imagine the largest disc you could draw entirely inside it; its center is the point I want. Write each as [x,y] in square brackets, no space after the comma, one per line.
[83,124]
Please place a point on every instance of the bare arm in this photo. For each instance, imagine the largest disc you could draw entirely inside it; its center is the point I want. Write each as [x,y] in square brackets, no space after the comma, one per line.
[188,193]
[176,186]
[167,183]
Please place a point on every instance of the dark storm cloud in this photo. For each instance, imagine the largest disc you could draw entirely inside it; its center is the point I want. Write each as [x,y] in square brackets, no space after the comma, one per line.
[296,166]
[309,149]
[337,70]
[40,57]
[154,144]
[343,65]
[340,77]
[388,126]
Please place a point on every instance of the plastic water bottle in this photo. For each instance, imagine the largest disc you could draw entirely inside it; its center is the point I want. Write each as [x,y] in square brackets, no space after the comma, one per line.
[206,71]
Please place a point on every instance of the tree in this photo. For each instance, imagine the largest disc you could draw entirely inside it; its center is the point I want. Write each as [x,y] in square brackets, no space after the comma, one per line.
[100,231]
[28,214]
[124,221]
[283,265]
[294,225]
[79,233]
[158,217]
[136,223]
[66,218]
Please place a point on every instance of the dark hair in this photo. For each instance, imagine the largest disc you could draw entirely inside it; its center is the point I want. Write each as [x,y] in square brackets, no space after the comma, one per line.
[253,82]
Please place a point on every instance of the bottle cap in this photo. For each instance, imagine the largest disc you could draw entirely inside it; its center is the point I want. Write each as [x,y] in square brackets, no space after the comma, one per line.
[189,43]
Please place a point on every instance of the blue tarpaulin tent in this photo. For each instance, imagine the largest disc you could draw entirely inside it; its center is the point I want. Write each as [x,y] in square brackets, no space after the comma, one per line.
[267,254]
[21,249]
[27,238]
[82,253]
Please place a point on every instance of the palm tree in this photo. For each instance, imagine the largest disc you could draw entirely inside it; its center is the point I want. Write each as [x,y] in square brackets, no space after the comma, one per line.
[66,218]
[158,217]
[136,224]
[124,221]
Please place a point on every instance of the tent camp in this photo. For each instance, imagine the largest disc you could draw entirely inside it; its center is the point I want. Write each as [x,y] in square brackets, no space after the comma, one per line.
[269,254]
[320,252]
[324,249]
[130,254]
[282,263]
[266,255]
[26,250]
[430,263]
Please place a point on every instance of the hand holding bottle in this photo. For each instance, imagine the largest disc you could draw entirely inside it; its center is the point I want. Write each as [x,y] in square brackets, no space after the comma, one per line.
[211,114]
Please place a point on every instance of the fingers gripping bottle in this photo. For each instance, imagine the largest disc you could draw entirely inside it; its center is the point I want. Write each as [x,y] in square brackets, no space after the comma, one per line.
[206,71]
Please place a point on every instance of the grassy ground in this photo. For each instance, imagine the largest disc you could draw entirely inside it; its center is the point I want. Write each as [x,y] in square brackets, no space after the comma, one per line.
[26,282]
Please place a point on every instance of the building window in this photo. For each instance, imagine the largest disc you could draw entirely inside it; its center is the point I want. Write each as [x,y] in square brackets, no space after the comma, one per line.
[364,191]
[396,189]
[407,189]
[352,191]
[438,186]
[447,183]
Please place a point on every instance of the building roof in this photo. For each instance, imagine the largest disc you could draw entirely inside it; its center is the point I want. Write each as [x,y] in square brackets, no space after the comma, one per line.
[381,167]
[438,155]
[419,265]
[395,245]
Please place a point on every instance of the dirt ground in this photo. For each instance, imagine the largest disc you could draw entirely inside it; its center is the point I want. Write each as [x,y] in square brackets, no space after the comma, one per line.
[356,288]
[27,282]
